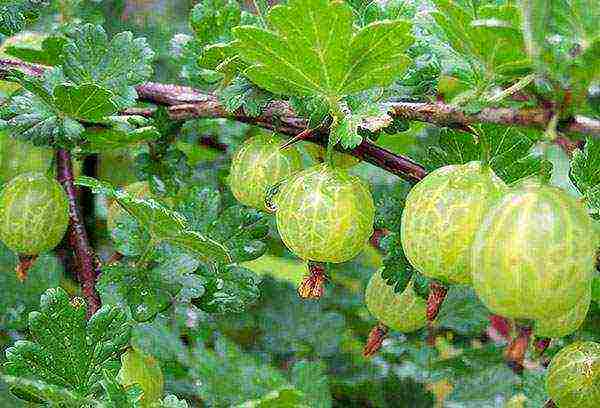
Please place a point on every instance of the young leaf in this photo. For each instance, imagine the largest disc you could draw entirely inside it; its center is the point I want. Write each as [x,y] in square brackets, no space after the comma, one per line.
[66,351]
[171,401]
[347,131]
[312,50]
[118,64]
[241,93]
[117,396]
[86,102]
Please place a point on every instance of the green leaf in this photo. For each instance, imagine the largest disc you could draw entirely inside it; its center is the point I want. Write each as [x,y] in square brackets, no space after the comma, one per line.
[20,298]
[283,398]
[229,289]
[171,401]
[41,392]
[49,54]
[585,172]
[212,20]
[242,230]
[15,14]
[241,93]
[312,50]
[310,378]
[463,312]
[162,224]
[492,39]
[142,369]
[117,396]
[227,376]
[347,131]
[222,58]
[510,150]
[121,133]
[86,102]
[66,351]
[118,64]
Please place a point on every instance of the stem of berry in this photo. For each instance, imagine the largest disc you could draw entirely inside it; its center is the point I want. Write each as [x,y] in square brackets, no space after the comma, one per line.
[25,263]
[437,294]
[375,340]
[312,287]
[515,353]
[541,345]
[88,265]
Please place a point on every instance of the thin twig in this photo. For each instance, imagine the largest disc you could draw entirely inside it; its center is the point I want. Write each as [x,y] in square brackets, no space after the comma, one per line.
[88,265]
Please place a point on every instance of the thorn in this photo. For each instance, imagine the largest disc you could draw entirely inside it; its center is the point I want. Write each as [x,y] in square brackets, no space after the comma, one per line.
[305,134]
[312,287]
[24,265]
[437,294]
[375,340]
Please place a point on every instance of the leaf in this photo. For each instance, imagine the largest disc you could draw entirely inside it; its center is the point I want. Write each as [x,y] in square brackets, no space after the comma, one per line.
[347,131]
[241,93]
[86,102]
[463,312]
[15,14]
[585,167]
[226,376]
[312,50]
[492,39]
[143,370]
[230,289]
[222,58]
[118,64]
[117,396]
[20,298]
[120,135]
[41,392]
[66,351]
[49,54]
[310,378]
[511,154]
[171,401]
[212,20]
[242,230]
[162,224]
[283,398]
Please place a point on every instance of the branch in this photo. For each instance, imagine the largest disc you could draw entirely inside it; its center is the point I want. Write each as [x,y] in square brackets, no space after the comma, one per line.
[88,265]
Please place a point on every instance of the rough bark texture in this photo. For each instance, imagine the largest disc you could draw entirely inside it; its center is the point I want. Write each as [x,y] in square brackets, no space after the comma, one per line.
[88,265]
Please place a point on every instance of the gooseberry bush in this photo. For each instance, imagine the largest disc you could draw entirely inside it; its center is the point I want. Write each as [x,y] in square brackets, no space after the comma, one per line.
[301,203]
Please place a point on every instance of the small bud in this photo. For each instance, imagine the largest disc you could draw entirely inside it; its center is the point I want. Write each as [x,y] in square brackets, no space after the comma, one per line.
[437,294]
[312,287]
[375,340]
[24,265]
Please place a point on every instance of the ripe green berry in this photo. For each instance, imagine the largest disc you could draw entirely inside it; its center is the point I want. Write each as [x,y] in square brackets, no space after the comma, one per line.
[573,379]
[441,216]
[405,312]
[324,214]
[258,164]
[34,214]
[19,157]
[533,256]
[566,324]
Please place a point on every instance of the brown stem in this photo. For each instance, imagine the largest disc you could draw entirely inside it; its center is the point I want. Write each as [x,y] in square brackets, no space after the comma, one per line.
[375,340]
[550,404]
[88,265]
[312,287]
[515,352]
[24,265]
[437,294]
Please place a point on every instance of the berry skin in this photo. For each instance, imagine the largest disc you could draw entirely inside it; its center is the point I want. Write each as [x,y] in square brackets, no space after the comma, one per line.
[533,256]
[566,324]
[324,214]
[441,216]
[573,379]
[405,312]
[258,164]
[19,157]
[34,214]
